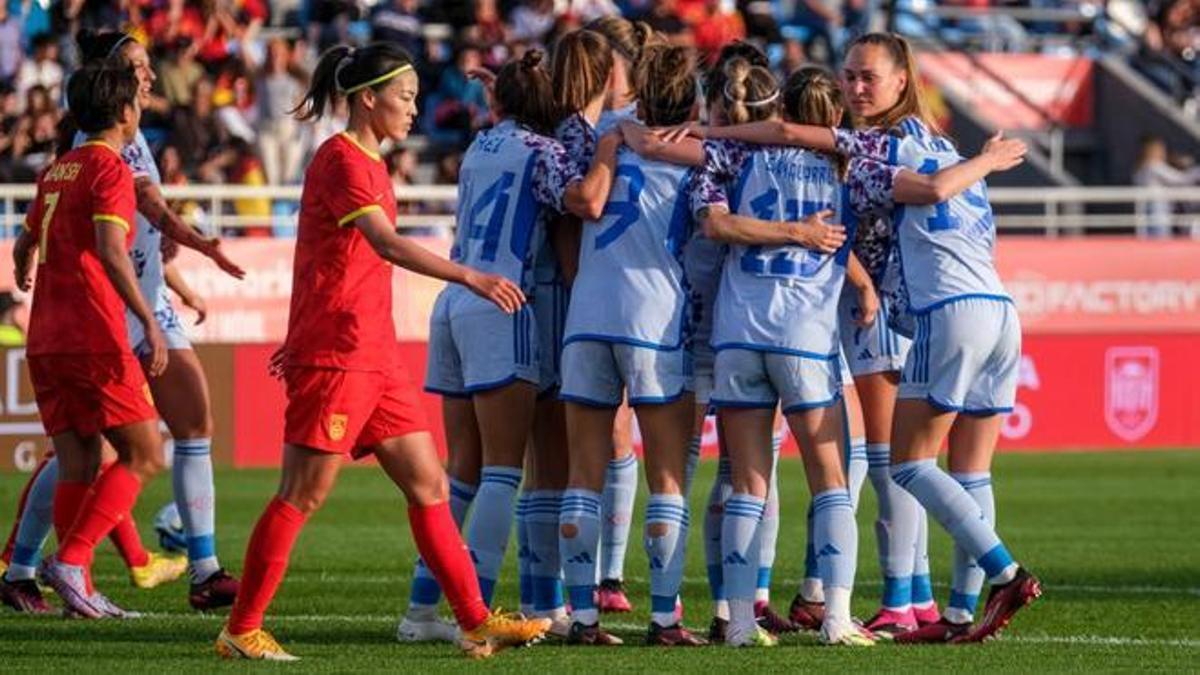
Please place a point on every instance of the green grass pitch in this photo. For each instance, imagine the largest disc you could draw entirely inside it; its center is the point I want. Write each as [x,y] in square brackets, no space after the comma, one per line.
[1115,538]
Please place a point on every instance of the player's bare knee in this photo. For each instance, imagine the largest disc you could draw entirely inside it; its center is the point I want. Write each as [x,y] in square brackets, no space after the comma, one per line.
[568,530]
[655,530]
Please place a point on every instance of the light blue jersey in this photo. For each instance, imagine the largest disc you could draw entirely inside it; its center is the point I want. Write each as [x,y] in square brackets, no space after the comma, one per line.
[146,252]
[782,299]
[509,175]
[945,251]
[609,119]
[631,287]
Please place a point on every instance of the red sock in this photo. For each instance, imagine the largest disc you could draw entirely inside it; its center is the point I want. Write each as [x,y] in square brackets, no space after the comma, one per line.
[128,542]
[266,562]
[68,496]
[110,498]
[6,556]
[447,557]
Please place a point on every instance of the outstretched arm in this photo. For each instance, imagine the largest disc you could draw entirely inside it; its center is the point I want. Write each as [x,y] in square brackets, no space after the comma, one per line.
[998,154]
[410,255]
[812,232]
[152,205]
[767,132]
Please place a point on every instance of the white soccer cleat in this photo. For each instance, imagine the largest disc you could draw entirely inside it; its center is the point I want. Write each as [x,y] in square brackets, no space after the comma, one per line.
[432,630]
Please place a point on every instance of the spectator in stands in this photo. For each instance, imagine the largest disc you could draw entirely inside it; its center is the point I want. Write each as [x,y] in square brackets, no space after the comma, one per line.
[179,71]
[489,32]
[277,91]
[329,22]
[720,24]
[398,21]
[462,107]
[11,52]
[761,25]
[664,18]
[195,130]
[793,58]
[822,22]
[43,70]
[233,98]
[1153,170]
[583,11]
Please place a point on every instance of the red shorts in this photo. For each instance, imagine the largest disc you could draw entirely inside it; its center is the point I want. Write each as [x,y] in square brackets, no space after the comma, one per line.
[87,393]
[350,411]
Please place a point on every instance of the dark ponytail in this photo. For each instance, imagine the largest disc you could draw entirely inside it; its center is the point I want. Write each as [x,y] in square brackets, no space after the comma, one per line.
[525,93]
[98,46]
[344,71]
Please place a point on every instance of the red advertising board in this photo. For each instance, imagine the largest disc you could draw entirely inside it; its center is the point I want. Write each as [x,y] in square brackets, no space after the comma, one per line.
[1061,86]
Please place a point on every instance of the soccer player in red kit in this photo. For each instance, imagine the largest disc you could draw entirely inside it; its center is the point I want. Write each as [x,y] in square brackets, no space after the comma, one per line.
[86,380]
[347,391]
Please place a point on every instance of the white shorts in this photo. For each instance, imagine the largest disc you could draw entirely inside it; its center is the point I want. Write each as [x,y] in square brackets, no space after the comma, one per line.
[965,357]
[550,308]
[844,372]
[874,349]
[168,322]
[474,348]
[752,379]
[703,364]
[596,373]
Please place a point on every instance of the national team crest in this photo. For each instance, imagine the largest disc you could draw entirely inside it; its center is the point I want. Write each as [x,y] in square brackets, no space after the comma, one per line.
[337,426]
[1131,391]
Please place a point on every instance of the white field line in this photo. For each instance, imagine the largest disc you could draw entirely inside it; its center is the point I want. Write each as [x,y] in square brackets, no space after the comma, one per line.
[1080,640]
[309,578]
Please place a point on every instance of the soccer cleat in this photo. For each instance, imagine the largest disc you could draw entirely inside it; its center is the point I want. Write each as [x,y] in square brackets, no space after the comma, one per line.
[218,590]
[672,636]
[1003,603]
[592,635]
[159,569]
[772,622]
[758,637]
[433,630]
[23,596]
[500,631]
[3,567]
[108,608]
[717,630]
[610,597]
[257,645]
[70,584]
[887,623]
[560,626]
[846,634]
[927,614]
[807,615]
[938,632]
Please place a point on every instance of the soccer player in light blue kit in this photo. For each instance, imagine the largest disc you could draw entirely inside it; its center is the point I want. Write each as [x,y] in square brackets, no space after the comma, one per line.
[511,175]
[627,332]
[181,392]
[961,373]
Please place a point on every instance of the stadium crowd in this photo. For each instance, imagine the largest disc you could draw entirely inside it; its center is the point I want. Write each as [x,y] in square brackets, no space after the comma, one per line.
[229,70]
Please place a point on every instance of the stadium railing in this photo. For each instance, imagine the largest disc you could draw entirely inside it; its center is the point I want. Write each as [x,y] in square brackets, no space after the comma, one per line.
[1052,211]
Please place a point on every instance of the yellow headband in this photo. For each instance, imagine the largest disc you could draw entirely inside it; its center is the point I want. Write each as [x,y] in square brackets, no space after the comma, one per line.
[382,78]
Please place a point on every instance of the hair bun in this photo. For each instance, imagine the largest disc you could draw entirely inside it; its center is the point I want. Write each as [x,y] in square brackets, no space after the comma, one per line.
[532,58]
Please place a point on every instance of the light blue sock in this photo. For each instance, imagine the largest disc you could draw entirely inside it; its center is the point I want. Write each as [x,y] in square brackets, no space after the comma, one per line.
[740,545]
[36,522]
[195,497]
[580,510]
[714,515]
[967,580]
[425,592]
[487,534]
[689,467]
[620,488]
[922,584]
[545,571]
[666,553]
[895,529]
[959,513]
[856,469]
[524,575]
[835,538]
[768,530]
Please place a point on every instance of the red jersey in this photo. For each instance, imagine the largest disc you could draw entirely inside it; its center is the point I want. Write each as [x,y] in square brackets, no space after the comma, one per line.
[76,309]
[341,311]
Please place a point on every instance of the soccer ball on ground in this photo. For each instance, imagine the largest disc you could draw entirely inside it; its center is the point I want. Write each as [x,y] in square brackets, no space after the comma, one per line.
[169,527]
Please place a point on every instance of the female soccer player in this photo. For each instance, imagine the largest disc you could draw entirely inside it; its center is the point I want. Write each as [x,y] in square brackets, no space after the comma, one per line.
[512,176]
[626,334]
[776,342]
[626,40]
[87,383]
[347,391]
[961,373]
